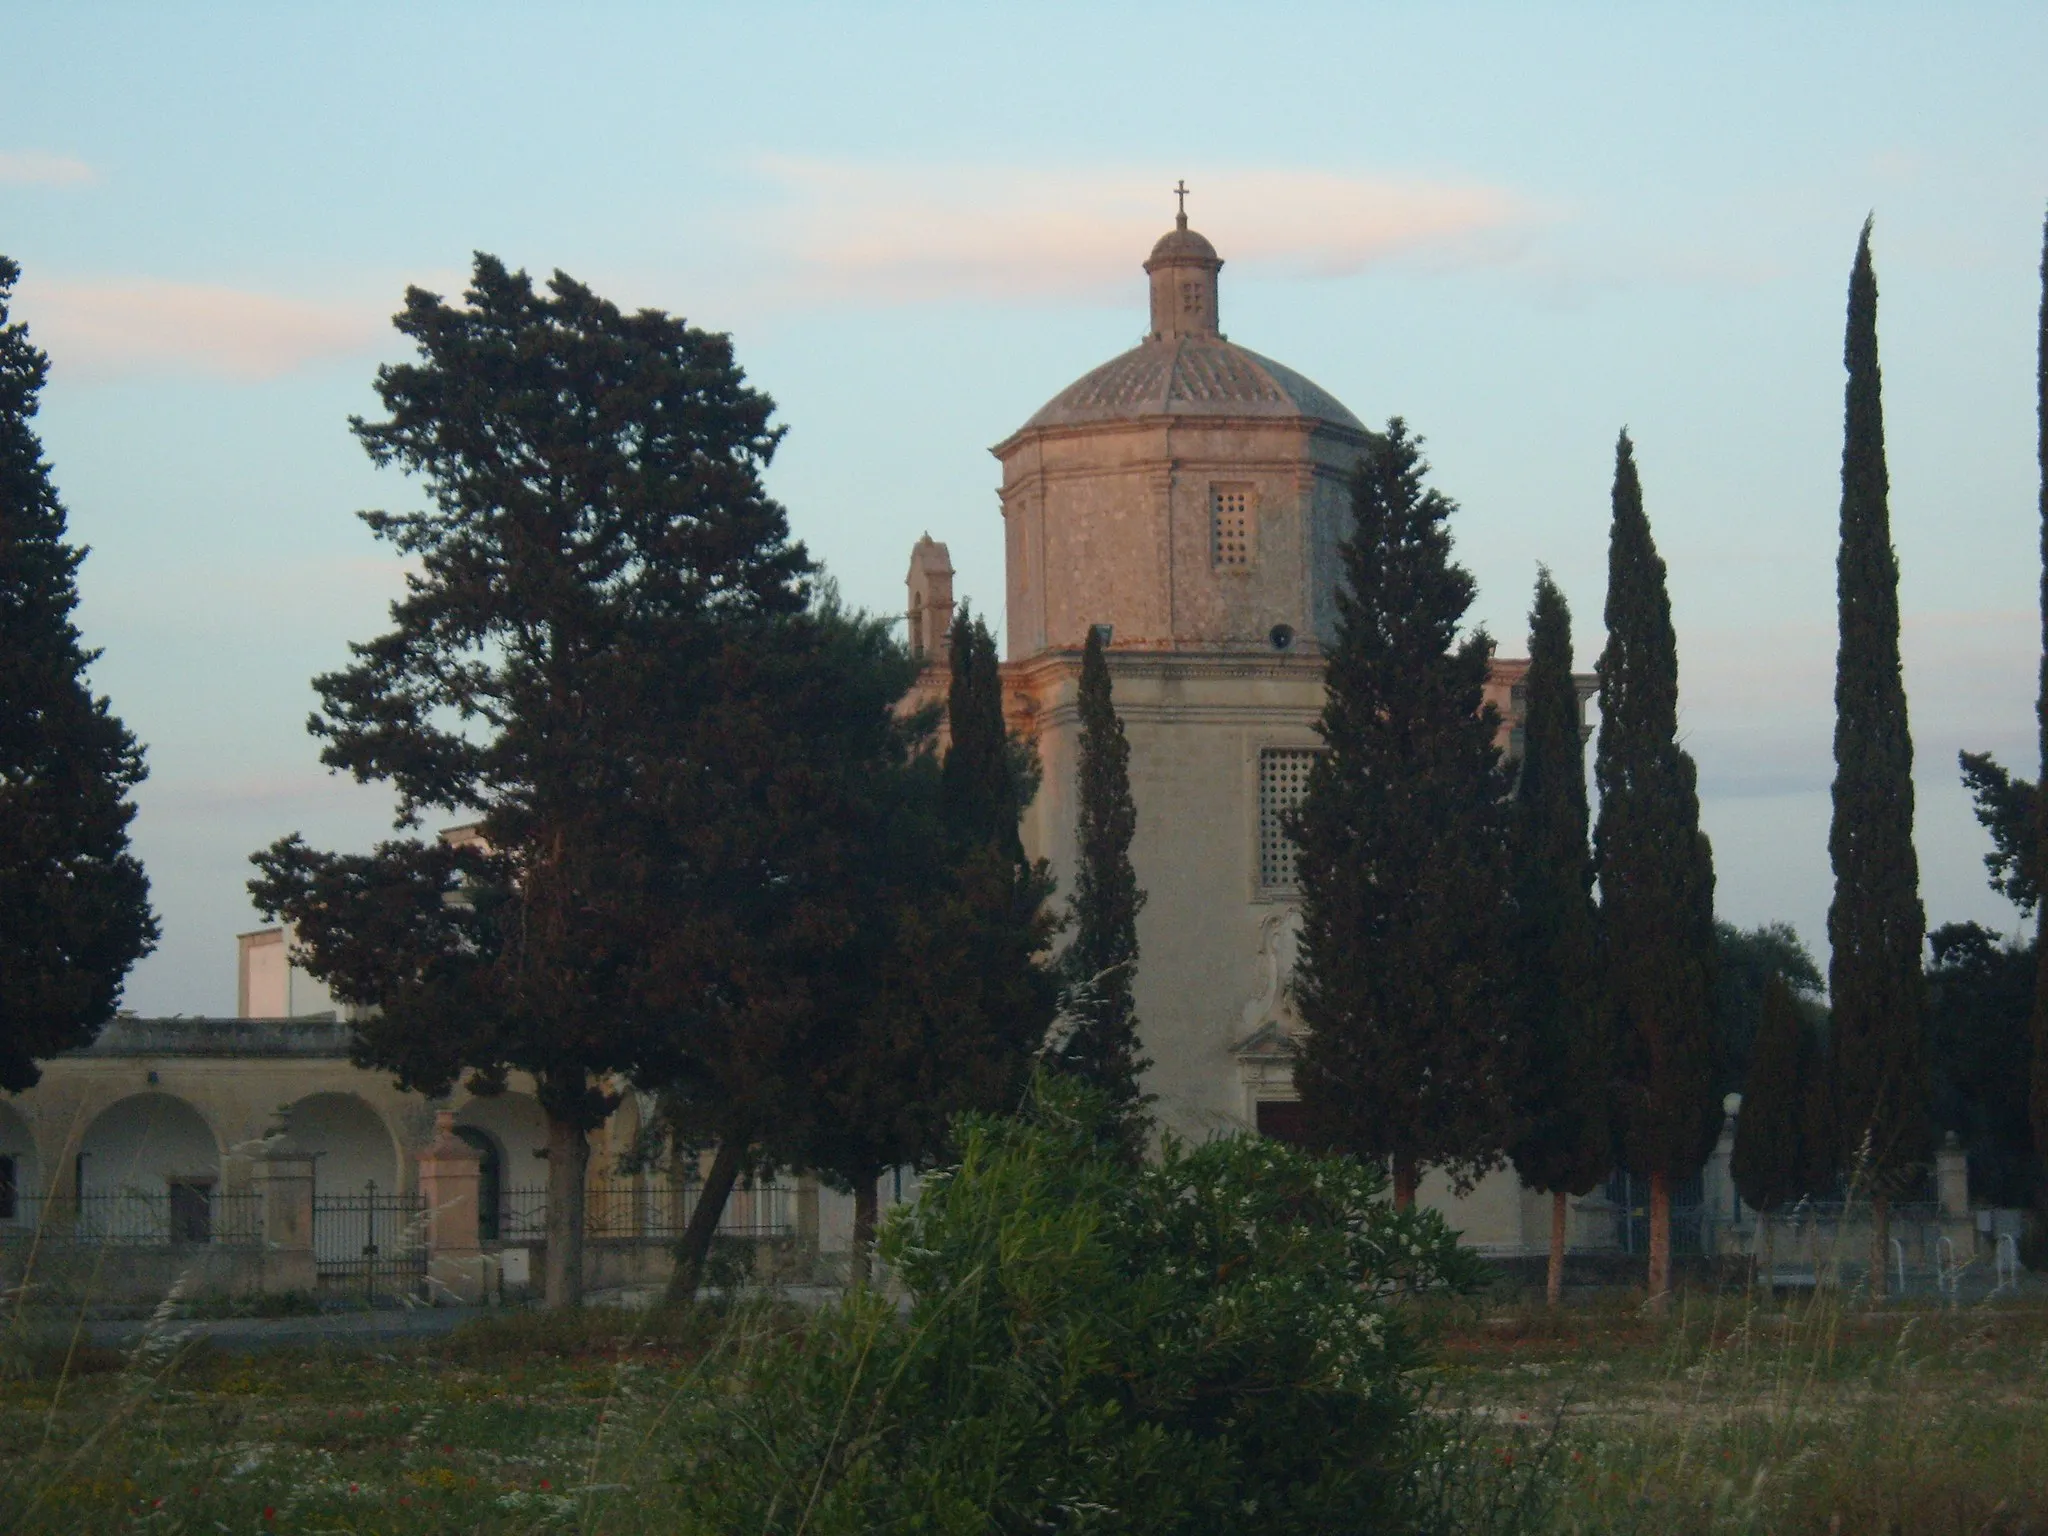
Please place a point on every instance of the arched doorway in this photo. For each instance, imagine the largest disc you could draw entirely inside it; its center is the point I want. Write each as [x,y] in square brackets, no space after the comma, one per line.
[148,1171]
[19,1186]
[490,1181]
[517,1133]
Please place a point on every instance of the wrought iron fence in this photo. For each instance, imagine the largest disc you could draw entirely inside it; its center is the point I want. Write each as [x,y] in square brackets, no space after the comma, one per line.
[184,1212]
[372,1244]
[630,1209]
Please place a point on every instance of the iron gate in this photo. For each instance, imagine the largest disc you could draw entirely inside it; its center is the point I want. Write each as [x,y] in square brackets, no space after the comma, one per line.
[372,1245]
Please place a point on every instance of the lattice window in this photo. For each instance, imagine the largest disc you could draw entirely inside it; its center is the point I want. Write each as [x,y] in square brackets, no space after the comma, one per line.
[1230,525]
[1283,780]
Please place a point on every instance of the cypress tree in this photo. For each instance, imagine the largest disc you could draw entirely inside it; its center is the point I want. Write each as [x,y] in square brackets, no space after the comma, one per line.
[2040,1031]
[1100,964]
[980,777]
[1411,1053]
[74,902]
[1656,875]
[1875,922]
[1565,1144]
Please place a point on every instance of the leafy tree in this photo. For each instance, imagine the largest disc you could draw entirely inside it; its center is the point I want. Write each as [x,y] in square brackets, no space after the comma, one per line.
[939,1000]
[932,999]
[1656,875]
[1100,963]
[1875,923]
[595,558]
[74,902]
[2005,809]
[1566,1141]
[1206,1344]
[1770,1158]
[1770,1155]
[1747,959]
[1980,993]
[1411,1054]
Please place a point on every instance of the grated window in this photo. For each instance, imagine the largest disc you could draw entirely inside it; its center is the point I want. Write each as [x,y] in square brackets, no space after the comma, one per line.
[1283,780]
[1230,524]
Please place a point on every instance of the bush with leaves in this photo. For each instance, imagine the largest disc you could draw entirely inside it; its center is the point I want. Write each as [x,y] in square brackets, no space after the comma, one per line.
[1205,1343]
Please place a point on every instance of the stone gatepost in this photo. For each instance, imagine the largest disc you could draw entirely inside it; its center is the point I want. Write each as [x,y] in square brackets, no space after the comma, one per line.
[1717,1179]
[807,1235]
[1952,1179]
[449,1179]
[284,1182]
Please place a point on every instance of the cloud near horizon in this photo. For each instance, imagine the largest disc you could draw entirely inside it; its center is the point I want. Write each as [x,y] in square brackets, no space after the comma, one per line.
[41,168]
[899,234]
[118,328]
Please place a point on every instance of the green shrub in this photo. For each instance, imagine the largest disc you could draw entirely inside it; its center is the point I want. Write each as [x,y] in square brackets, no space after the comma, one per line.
[1202,1344]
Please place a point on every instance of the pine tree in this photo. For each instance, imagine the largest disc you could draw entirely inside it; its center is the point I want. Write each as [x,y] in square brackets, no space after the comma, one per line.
[2040,1096]
[1770,1157]
[1100,963]
[1876,926]
[1656,874]
[74,903]
[1566,1140]
[579,663]
[1411,1053]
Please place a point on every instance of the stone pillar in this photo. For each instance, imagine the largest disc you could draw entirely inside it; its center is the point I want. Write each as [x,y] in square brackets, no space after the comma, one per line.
[806,1256]
[1952,1179]
[449,1178]
[1717,1179]
[284,1181]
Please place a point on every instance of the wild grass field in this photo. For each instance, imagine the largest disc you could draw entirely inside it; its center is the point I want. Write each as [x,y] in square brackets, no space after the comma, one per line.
[1729,1416]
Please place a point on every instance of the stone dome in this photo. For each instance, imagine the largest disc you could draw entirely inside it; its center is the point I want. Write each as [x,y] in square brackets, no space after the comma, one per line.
[1186,366]
[1182,244]
[1191,375]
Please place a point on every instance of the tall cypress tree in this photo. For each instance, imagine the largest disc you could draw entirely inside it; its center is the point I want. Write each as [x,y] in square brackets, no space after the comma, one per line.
[1411,1054]
[1875,923]
[2040,1097]
[74,903]
[1566,1142]
[980,776]
[1100,964]
[1656,877]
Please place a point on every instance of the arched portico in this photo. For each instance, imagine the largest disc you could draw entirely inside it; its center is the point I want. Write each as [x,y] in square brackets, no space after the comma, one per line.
[148,1168]
[352,1147]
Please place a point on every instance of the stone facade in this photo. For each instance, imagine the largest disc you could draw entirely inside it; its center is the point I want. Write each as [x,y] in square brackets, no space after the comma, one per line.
[1191,496]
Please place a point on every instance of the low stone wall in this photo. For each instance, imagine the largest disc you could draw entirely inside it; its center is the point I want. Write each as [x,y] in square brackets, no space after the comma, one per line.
[82,1274]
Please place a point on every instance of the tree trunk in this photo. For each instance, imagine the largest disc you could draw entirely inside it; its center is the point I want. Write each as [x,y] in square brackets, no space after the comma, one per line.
[1880,1244]
[866,1201]
[568,1160]
[1660,1242]
[1554,1291]
[695,1246]
[1404,1183]
[1769,1244]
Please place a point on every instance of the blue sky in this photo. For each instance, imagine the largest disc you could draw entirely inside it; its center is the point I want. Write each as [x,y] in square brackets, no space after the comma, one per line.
[1519,227]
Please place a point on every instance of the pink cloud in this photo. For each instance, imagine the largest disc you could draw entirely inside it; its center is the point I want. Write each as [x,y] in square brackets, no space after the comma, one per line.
[113,328]
[901,234]
[40,168]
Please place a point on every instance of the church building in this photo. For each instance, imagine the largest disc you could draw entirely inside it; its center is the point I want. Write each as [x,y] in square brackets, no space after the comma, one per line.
[1189,497]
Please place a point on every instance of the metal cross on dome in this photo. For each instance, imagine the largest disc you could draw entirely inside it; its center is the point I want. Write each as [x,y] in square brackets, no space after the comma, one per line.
[1180,191]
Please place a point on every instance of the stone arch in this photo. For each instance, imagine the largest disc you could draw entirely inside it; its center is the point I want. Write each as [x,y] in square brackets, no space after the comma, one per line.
[20,1176]
[352,1147]
[512,1125]
[148,1169]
